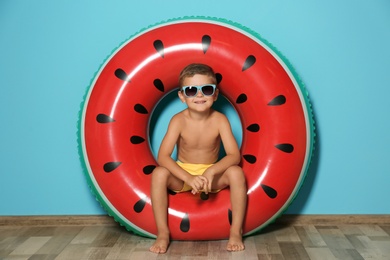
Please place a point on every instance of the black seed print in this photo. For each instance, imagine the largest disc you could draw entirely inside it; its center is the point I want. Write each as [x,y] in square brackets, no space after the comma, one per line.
[277,101]
[148,169]
[110,166]
[230,216]
[140,109]
[218,76]
[204,196]
[103,119]
[158,84]
[136,139]
[185,224]
[250,158]
[159,46]
[242,98]
[287,148]
[206,40]
[271,192]
[121,74]
[250,60]
[139,205]
[253,128]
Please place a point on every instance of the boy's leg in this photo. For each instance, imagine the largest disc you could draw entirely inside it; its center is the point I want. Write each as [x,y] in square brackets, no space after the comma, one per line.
[161,180]
[234,178]
[238,199]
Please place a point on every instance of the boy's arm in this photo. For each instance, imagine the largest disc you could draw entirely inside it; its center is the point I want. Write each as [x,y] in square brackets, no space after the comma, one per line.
[164,156]
[232,157]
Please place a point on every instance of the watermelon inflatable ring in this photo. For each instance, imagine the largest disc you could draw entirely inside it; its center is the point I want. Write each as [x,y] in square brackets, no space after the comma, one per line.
[273,106]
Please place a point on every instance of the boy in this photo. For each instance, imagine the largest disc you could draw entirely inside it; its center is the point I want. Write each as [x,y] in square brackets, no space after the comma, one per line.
[187,130]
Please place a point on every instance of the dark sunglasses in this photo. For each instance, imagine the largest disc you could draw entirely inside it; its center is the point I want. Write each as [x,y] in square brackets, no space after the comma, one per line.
[192,91]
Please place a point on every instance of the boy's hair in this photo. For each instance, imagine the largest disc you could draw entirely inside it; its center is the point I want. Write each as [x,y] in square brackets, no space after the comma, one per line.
[196,68]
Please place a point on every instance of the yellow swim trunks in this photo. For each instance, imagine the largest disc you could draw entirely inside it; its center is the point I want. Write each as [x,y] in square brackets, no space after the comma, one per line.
[193,169]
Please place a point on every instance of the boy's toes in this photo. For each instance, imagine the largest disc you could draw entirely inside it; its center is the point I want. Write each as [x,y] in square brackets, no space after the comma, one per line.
[235,242]
[160,246]
[235,247]
[158,249]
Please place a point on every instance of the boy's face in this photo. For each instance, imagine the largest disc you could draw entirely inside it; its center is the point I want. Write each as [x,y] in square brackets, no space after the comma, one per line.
[198,102]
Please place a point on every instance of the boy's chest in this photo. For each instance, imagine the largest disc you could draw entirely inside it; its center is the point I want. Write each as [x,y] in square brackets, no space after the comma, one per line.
[197,136]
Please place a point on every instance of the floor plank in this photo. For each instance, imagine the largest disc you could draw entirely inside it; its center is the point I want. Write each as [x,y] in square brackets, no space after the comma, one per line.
[30,246]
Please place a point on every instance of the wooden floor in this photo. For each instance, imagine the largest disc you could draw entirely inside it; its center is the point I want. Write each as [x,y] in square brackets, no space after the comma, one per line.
[322,237]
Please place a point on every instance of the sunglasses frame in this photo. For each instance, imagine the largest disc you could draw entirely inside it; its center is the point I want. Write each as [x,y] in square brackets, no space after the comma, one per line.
[198,88]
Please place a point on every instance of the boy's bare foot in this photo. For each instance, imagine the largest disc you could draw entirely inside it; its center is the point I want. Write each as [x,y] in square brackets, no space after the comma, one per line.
[235,242]
[160,246]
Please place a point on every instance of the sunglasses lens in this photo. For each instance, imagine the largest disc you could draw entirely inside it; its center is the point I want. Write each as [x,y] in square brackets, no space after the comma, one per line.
[190,91]
[208,90]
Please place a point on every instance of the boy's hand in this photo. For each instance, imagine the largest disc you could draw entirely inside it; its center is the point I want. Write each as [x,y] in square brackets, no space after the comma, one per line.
[209,180]
[198,183]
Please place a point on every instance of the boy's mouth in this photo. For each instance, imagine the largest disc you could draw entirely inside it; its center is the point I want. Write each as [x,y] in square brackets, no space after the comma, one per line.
[200,102]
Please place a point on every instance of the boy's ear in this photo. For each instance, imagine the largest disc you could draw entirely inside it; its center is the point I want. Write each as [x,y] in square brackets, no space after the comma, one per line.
[181,96]
[216,94]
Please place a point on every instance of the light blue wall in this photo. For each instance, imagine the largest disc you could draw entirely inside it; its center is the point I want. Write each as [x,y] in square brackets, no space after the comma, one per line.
[50,50]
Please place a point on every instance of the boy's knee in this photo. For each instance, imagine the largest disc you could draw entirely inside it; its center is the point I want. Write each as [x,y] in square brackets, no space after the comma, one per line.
[160,172]
[236,173]
[235,169]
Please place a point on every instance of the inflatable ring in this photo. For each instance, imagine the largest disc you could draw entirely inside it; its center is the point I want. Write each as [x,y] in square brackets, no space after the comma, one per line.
[278,129]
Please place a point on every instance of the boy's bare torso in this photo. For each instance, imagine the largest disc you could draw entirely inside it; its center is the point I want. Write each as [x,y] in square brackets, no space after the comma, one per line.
[199,140]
